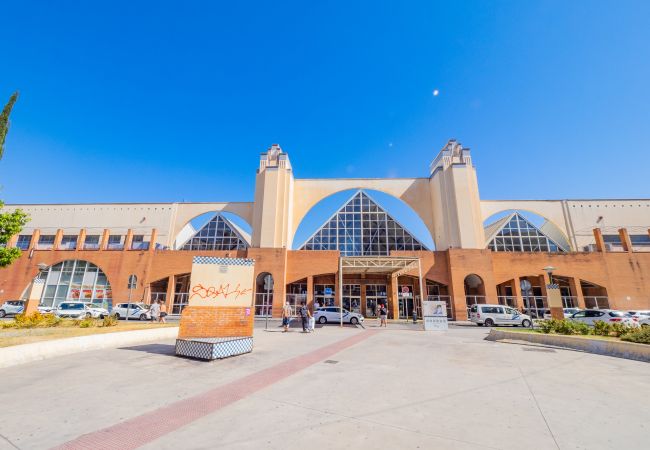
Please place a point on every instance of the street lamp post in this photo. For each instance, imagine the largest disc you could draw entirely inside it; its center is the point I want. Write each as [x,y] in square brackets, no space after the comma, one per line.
[133,281]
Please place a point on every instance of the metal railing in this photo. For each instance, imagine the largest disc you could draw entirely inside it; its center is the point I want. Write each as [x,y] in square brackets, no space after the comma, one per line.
[156,296]
[263,305]
[597,302]
[474,300]
[507,300]
[535,306]
[180,302]
[569,301]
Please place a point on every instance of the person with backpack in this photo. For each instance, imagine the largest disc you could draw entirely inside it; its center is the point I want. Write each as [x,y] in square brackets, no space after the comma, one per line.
[383,315]
[305,315]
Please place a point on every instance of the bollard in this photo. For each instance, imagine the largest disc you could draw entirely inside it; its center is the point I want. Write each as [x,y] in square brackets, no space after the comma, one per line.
[415,316]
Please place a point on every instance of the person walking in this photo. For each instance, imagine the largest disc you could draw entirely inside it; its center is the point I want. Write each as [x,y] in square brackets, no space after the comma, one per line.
[383,315]
[154,310]
[305,316]
[163,311]
[286,316]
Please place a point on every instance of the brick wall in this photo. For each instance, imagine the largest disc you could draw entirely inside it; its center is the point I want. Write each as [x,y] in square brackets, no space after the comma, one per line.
[215,321]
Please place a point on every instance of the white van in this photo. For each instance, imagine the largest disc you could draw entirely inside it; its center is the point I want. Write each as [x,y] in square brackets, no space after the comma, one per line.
[490,315]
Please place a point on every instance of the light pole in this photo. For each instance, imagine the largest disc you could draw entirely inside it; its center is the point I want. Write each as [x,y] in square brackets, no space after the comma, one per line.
[549,270]
[133,282]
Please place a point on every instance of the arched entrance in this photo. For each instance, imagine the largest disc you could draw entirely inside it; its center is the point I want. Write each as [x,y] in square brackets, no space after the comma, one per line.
[76,280]
[264,295]
[474,291]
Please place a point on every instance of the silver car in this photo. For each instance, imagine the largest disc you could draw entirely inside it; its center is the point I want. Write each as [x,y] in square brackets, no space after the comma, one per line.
[333,314]
[591,316]
[12,307]
[78,310]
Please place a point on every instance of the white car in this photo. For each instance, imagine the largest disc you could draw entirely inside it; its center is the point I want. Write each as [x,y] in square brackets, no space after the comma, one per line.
[568,312]
[78,310]
[639,315]
[136,311]
[333,314]
[490,315]
[12,307]
[591,316]
[46,309]
[645,322]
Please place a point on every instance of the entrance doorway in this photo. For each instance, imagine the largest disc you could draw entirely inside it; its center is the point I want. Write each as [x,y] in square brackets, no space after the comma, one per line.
[406,300]
[375,295]
[352,297]
[264,295]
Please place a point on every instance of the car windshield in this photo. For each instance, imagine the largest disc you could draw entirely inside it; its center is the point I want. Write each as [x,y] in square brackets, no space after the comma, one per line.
[71,306]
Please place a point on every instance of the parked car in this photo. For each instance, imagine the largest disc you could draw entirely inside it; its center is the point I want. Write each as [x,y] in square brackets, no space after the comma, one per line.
[78,310]
[639,314]
[45,309]
[136,311]
[12,307]
[490,315]
[333,314]
[591,316]
[645,322]
[568,312]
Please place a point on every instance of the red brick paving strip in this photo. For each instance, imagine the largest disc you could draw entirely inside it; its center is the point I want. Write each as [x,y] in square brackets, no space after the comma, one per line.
[150,426]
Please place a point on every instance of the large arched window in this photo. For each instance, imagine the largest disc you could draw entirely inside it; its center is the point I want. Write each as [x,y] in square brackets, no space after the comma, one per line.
[76,280]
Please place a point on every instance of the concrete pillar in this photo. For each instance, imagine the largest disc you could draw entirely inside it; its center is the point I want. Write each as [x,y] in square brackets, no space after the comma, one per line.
[57,239]
[171,291]
[35,235]
[103,243]
[516,290]
[13,240]
[600,242]
[393,298]
[310,292]
[128,240]
[363,298]
[152,240]
[625,240]
[81,238]
[576,291]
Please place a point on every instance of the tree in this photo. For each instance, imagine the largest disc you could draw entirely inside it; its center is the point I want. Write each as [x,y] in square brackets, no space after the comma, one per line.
[10,222]
[4,121]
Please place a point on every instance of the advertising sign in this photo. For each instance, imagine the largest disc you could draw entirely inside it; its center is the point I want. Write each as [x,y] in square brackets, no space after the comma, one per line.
[328,291]
[434,314]
[221,282]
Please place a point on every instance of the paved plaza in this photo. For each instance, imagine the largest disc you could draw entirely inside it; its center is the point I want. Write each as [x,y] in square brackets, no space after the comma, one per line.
[335,388]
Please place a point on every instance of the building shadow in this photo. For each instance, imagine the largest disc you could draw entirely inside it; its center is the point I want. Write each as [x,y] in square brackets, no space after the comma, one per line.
[155,349]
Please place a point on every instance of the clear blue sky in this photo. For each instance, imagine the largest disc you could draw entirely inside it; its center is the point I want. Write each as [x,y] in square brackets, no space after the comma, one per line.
[171,101]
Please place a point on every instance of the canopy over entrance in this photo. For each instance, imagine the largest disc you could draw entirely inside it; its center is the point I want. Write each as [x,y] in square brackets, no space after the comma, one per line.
[395,266]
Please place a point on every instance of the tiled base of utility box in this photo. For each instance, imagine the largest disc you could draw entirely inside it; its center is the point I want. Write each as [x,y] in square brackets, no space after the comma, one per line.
[209,349]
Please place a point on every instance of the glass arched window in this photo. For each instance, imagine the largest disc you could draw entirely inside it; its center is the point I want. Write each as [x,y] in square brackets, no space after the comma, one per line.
[76,280]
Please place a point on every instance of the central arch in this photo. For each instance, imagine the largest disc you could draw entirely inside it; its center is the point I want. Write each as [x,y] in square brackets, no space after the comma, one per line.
[415,192]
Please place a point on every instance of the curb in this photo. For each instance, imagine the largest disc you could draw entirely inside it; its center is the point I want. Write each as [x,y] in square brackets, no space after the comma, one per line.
[617,349]
[25,353]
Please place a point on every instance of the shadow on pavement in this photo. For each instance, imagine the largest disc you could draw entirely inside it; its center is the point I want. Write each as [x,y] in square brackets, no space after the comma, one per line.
[156,349]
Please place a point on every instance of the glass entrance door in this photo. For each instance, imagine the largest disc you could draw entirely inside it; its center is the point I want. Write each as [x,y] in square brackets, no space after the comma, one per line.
[352,297]
[405,295]
[375,294]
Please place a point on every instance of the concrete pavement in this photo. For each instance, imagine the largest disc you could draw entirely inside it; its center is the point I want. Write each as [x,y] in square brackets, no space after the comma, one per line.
[392,388]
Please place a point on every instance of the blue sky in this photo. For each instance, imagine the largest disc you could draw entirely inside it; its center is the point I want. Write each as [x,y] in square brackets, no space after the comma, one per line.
[172,101]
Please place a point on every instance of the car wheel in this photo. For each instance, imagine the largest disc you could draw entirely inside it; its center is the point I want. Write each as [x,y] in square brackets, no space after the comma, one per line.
[117,316]
[88,315]
[525,323]
[2,313]
[102,316]
[322,319]
[489,322]
[354,321]
[143,317]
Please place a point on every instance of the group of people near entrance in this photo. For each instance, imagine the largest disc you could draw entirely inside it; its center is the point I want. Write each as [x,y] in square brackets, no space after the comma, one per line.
[158,311]
[308,321]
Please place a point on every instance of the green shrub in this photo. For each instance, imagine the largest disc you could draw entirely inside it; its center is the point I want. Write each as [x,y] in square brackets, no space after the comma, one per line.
[602,328]
[620,329]
[547,326]
[565,327]
[639,335]
[87,323]
[582,328]
[109,321]
[34,320]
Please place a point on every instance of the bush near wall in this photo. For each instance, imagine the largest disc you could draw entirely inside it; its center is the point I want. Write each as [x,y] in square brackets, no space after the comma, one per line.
[38,320]
[568,327]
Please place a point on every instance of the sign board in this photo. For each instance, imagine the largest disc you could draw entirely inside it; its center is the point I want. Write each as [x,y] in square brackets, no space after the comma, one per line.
[434,314]
[405,291]
[221,282]
[553,296]
[328,291]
